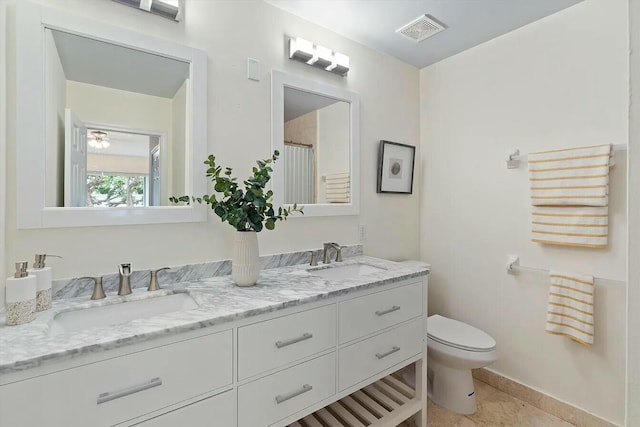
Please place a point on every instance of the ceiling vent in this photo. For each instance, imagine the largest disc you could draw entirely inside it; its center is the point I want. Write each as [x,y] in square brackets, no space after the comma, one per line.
[421,28]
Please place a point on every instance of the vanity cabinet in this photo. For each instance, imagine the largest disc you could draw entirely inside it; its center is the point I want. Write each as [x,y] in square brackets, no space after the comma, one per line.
[261,371]
[121,388]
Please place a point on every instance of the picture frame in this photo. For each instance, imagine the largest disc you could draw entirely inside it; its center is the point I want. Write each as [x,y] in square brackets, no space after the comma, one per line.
[395,167]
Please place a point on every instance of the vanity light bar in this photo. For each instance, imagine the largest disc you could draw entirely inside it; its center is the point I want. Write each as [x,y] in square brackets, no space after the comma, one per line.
[170,9]
[318,56]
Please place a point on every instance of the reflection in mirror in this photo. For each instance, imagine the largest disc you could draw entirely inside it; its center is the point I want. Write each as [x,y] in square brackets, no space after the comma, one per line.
[316,148]
[139,100]
[75,75]
[316,128]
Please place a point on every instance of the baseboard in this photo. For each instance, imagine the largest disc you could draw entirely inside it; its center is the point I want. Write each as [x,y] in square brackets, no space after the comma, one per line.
[550,405]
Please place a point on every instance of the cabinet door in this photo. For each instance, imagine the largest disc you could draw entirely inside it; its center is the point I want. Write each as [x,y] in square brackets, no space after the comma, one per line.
[216,411]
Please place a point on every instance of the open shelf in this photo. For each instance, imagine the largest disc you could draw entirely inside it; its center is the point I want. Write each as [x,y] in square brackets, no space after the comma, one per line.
[384,403]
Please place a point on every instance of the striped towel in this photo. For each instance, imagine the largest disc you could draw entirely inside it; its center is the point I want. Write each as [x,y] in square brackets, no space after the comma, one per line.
[570,310]
[338,188]
[569,194]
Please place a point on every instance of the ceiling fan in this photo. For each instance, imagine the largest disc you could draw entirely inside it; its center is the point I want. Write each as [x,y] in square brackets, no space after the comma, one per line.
[98,139]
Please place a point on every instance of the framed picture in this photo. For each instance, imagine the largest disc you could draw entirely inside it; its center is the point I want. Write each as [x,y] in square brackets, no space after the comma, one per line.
[395,167]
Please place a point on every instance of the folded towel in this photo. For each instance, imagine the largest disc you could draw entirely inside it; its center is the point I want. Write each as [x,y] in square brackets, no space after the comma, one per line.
[569,194]
[570,309]
[574,176]
[338,188]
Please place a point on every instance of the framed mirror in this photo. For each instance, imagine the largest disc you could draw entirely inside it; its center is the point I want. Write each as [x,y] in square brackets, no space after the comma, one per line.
[109,123]
[315,129]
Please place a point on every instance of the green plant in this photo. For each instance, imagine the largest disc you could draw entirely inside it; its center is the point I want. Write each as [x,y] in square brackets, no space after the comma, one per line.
[246,210]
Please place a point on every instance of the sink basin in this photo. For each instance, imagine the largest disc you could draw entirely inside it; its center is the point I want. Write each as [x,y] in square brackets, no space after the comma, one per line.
[349,271]
[116,314]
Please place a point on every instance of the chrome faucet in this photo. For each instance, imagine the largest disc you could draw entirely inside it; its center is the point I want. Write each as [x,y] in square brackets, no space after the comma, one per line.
[124,288]
[327,246]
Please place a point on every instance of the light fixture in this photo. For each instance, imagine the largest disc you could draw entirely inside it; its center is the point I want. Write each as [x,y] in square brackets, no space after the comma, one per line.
[170,9]
[318,56]
[98,139]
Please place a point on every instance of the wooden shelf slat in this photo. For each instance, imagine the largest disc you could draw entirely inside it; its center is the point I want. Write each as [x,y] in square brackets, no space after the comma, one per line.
[368,407]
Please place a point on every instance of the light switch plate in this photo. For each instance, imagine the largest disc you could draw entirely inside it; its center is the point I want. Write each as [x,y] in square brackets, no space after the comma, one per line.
[253,69]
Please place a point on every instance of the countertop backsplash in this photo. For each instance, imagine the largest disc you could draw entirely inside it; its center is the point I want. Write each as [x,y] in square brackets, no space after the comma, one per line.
[74,287]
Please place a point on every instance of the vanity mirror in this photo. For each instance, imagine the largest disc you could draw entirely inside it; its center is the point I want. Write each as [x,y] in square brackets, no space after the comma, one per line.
[108,123]
[315,128]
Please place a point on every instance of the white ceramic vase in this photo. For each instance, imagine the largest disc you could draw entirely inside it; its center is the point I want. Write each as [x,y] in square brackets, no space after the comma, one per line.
[245,264]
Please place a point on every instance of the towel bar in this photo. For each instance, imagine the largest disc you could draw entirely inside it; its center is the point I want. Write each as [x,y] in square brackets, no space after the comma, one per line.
[513,265]
[513,160]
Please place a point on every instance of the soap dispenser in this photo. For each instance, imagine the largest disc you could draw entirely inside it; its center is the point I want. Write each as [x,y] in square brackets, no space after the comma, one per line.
[45,276]
[20,296]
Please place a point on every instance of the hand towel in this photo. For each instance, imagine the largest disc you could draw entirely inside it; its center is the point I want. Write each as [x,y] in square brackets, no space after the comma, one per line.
[570,307]
[569,195]
[573,176]
[338,188]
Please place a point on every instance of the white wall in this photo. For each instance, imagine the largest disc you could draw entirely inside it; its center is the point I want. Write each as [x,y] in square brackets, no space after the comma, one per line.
[558,82]
[55,104]
[633,291]
[333,144]
[239,129]
[177,166]
[4,40]
[116,107]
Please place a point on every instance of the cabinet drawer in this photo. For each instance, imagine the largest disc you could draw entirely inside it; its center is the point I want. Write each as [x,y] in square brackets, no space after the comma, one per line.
[216,411]
[276,342]
[365,359]
[371,313]
[115,390]
[269,399]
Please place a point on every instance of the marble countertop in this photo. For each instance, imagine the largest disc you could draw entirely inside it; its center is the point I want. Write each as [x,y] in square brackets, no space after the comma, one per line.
[219,300]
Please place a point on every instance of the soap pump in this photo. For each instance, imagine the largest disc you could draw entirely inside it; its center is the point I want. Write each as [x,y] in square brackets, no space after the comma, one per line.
[20,293]
[45,277]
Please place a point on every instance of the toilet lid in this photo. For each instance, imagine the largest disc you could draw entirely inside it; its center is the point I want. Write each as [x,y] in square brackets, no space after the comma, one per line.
[458,334]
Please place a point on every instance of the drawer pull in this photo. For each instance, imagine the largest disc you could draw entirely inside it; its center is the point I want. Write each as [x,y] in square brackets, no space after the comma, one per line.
[303,337]
[284,397]
[388,353]
[107,397]
[388,310]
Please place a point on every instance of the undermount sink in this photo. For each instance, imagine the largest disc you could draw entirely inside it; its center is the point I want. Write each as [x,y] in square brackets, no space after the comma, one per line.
[119,313]
[349,271]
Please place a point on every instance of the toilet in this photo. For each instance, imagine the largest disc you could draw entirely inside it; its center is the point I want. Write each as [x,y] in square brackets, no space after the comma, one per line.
[453,350]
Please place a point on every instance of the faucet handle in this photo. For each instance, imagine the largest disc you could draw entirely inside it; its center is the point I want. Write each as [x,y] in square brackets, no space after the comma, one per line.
[314,259]
[98,290]
[153,282]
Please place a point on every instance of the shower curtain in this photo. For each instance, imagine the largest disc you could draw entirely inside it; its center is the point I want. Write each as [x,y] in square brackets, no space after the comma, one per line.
[299,174]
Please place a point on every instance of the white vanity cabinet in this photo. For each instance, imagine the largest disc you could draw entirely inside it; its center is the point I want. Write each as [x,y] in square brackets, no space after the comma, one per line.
[111,391]
[259,371]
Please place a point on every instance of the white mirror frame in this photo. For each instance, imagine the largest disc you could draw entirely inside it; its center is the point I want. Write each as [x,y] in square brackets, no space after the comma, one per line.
[279,81]
[31,21]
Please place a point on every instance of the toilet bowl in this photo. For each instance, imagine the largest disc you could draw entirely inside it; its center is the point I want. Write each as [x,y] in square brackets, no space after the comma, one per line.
[453,350]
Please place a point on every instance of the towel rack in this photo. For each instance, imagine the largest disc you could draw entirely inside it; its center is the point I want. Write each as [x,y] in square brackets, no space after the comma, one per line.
[513,160]
[513,265]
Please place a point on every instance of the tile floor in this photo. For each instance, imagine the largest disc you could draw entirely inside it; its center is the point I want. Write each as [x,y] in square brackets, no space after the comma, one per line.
[495,409]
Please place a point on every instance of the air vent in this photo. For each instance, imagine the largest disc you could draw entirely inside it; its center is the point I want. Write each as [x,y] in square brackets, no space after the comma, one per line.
[420,29]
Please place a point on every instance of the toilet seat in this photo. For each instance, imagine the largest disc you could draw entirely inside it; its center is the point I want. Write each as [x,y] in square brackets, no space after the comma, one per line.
[459,335]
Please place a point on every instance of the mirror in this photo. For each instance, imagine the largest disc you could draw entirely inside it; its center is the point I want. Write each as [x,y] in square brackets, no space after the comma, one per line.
[88,87]
[109,123]
[315,128]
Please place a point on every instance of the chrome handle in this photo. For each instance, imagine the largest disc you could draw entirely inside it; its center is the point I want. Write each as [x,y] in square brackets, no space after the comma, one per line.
[388,310]
[388,353]
[109,396]
[284,397]
[303,337]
